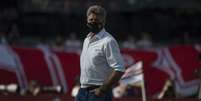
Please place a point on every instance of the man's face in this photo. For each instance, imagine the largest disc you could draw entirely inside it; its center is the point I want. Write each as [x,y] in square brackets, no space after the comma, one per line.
[93,18]
[94,23]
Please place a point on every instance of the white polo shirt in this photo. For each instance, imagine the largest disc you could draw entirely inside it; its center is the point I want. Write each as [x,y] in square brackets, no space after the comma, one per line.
[100,55]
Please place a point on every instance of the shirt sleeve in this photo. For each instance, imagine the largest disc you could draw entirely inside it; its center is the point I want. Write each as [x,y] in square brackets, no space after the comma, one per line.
[113,56]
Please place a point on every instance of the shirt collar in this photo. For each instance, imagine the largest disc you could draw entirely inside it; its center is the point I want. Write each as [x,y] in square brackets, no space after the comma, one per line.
[99,35]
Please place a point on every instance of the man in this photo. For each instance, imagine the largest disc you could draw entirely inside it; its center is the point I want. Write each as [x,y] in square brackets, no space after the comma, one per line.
[101,61]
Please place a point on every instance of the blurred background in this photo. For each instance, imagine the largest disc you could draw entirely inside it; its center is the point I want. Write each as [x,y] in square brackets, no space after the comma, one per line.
[164,22]
[39,38]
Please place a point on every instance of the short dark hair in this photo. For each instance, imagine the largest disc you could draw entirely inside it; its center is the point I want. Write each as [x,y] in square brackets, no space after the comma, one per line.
[98,10]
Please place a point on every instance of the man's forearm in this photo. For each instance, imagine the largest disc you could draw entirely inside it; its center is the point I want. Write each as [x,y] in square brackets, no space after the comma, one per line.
[112,80]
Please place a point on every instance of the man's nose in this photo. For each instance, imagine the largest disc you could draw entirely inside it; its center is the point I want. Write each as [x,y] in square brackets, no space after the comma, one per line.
[93,21]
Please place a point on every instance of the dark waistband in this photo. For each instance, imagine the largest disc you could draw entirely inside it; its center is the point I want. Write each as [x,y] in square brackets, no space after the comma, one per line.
[91,88]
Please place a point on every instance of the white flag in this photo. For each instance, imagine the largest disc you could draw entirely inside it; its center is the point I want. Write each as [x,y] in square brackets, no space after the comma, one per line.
[132,75]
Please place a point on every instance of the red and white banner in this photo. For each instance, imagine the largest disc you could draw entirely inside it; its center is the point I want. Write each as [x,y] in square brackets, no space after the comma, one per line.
[10,67]
[183,61]
[50,68]
[154,77]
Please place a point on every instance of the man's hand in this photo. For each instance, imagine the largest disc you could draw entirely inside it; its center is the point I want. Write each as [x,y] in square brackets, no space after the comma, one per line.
[97,92]
[112,80]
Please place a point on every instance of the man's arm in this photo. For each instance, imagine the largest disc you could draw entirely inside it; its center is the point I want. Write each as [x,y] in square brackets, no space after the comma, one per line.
[112,80]
[115,61]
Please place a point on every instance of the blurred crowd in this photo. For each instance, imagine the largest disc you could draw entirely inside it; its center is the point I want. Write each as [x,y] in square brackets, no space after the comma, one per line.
[134,23]
[72,43]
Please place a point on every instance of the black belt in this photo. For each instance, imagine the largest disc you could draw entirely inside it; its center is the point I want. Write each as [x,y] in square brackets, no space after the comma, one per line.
[91,88]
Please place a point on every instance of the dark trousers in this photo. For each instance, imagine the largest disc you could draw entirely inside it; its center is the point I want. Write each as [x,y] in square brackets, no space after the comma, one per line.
[85,95]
